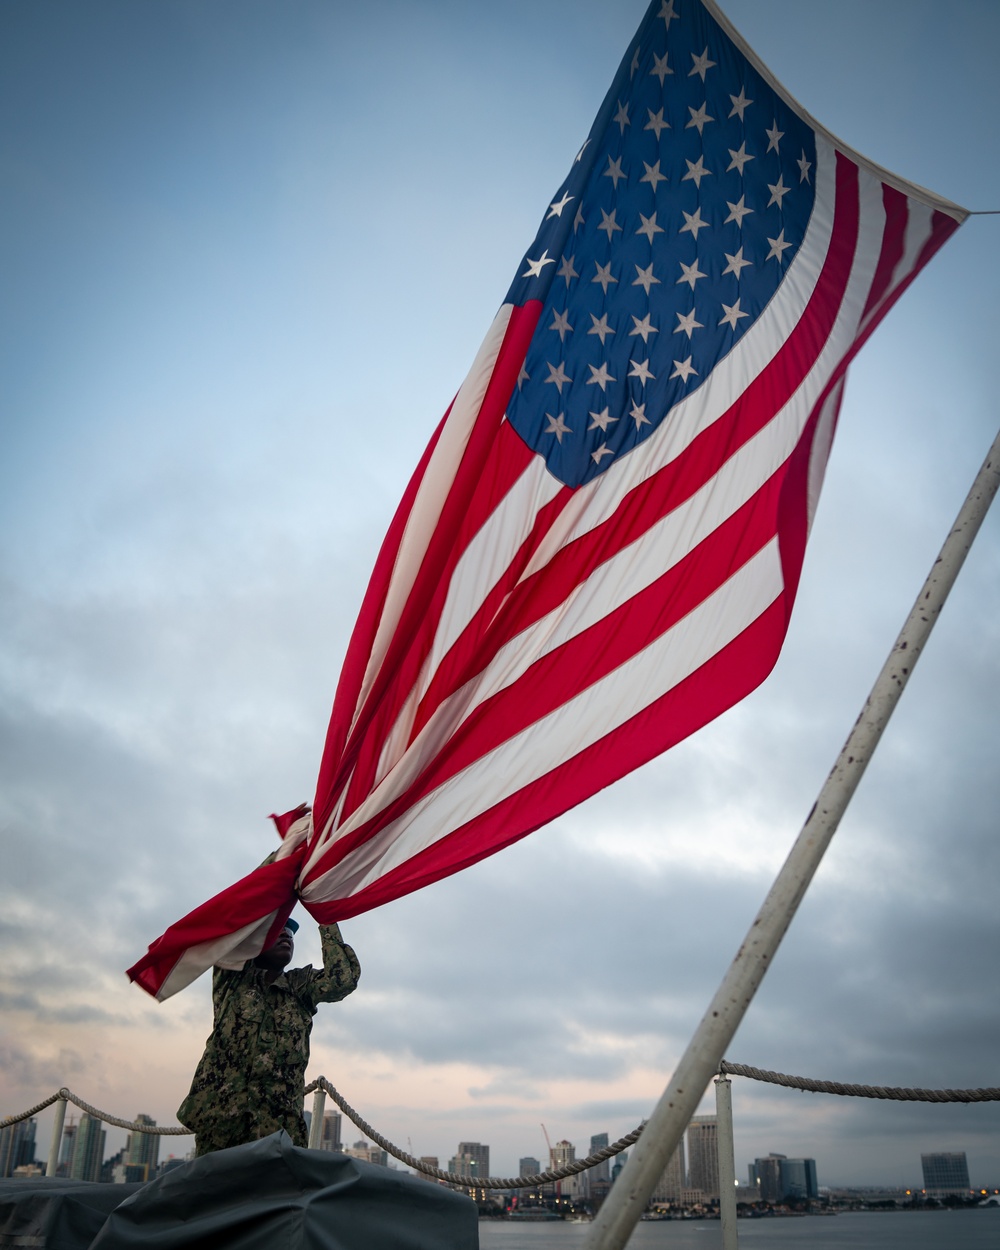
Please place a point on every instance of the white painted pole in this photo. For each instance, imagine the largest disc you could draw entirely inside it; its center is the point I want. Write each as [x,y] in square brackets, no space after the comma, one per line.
[627,1200]
[316,1123]
[57,1132]
[727,1161]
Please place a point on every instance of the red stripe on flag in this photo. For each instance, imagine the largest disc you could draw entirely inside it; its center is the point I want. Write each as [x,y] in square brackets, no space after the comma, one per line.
[730,675]
[897,214]
[942,228]
[359,648]
[561,675]
[348,744]
[269,888]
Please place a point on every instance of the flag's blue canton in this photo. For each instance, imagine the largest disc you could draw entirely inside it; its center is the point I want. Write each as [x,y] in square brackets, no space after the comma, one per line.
[673,230]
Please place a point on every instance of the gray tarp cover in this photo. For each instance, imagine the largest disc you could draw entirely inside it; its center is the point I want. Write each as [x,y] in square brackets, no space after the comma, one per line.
[271,1195]
[267,1195]
[41,1212]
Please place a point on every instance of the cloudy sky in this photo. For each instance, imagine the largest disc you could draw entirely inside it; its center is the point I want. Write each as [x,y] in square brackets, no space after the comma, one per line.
[248,253]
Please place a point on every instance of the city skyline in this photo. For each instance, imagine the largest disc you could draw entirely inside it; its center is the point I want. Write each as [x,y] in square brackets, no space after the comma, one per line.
[772,1178]
[248,262]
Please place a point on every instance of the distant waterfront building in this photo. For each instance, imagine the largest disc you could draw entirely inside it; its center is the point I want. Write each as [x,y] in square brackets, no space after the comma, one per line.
[779,1179]
[330,1135]
[768,1172]
[171,1162]
[17,1146]
[118,1170]
[430,1161]
[29,1170]
[798,1179]
[602,1172]
[369,1153]
[945,1173]
[88,1149]
[480,1153]
[528,1166]
[66,1149]
[114,1170]
[126,1173]
[563,1153]
[142,1151]
[703,1155]
[470,1159]
[670,1186]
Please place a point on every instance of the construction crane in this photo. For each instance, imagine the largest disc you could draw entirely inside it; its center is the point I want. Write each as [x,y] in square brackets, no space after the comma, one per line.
[552,1161]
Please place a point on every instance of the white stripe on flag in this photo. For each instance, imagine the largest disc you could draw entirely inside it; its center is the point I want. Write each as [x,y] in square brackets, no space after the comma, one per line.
[439,475]
[569,729]
[822,442]
[230,951]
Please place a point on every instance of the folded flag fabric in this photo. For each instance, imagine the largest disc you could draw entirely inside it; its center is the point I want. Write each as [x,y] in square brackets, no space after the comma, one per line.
[600,548]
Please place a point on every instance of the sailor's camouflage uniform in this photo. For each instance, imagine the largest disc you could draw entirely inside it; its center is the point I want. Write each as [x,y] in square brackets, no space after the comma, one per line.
[251,1078]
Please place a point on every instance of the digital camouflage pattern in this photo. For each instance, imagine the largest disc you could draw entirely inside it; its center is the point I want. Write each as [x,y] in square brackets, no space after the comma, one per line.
[251,1078]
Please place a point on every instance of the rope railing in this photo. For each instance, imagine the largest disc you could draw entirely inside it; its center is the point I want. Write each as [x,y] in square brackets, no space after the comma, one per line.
[893,1093]
[67,1095]
[474,1182]
[807,1084]
[26,1115]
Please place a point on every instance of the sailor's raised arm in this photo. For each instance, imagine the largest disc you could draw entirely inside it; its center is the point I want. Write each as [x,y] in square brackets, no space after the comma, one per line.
[341,970]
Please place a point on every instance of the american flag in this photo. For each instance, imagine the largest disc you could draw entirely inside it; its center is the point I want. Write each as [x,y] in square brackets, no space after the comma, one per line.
[600,548]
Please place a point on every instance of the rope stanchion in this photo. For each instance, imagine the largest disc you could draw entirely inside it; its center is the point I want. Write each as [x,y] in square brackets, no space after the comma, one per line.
[892,1093]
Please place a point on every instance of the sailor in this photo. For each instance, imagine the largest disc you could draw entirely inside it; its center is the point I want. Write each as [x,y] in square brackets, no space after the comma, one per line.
[251,1079]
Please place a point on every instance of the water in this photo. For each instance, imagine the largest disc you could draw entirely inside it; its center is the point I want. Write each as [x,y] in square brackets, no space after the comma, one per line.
[851,1230]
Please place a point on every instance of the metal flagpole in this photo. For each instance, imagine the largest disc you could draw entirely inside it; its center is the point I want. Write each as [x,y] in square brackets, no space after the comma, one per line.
[631,1192]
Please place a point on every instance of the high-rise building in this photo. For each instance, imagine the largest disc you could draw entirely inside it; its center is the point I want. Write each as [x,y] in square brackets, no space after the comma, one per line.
[602,1171]
[562,1154]
[330,1135]
[671,1186]
[945,1173]
[66,1149]
[371,1154]
[430,1161]
[769,1186]
[703,1155]
[142,1150]
[88,1149]
[471,1159]
[779,1179]
[17,1146]
[528,1166]
[798,1179]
